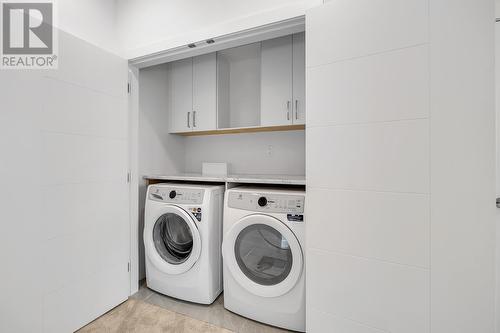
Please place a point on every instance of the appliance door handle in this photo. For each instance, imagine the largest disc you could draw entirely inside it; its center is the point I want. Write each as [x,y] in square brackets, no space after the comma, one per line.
[188,115]
[194,118]
[498,202]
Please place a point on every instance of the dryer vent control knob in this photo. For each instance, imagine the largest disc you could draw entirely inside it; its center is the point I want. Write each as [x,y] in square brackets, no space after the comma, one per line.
[262,201]
[172,194]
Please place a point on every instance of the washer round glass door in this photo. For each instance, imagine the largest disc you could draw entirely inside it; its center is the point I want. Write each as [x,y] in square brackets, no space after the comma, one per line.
[173,240]
[263,255]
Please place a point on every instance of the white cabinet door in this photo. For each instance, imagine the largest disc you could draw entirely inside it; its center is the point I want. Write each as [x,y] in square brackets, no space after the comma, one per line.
[204,114]
[180,83]
[299,79]
[276,84]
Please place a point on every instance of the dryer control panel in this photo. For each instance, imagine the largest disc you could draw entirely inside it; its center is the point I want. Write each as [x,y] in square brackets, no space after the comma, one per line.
[176,195]
[267,202]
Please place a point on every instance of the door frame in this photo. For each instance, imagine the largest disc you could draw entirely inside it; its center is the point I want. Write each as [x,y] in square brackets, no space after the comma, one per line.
[133,174]
[497,111]
[248,36]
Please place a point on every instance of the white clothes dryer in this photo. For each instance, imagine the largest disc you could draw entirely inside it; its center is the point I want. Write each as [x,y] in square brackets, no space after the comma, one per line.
[264,269]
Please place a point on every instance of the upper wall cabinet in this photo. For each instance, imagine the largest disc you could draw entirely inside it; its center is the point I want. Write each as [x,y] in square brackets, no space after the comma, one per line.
[192,92]
[276,87]
[205,92]
[258,86]
[180,94]
[283,81]
[299,79]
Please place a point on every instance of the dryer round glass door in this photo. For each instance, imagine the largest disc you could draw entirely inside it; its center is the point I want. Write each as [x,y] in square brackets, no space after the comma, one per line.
[172,240]
[263,255]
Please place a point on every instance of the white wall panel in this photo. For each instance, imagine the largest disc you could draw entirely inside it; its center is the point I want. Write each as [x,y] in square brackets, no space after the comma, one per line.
[77,158]
[353,28]
[318,320]
[85,65]
[71,108]
[71,208]
[69,257]
[20,153]
[264,153]
[388,86]
[69,306]
[391,156]
[390,297]
[392,227]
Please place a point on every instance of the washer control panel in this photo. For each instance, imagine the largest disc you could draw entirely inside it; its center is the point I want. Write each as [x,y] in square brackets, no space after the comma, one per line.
[196,211]
[267,202]
[176,195]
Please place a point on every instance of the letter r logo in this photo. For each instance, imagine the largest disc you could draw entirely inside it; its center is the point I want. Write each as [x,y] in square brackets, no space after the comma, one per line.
[27,28]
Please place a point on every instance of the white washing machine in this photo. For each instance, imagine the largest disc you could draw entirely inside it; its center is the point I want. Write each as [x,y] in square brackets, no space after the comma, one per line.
[182,240]
[264,269]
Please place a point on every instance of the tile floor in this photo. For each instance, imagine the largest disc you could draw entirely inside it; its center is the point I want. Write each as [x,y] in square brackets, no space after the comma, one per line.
[214,314]
[134,316]
[148,311]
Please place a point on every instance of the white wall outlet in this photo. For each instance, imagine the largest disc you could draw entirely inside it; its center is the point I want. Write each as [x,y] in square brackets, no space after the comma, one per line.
[269,151]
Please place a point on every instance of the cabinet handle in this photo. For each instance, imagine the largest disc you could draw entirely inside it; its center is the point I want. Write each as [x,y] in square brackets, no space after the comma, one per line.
[296,109]
[194,118]
[189,113]
[288,110]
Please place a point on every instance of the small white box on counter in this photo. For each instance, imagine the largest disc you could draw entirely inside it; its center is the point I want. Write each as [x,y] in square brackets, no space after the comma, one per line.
[214,169]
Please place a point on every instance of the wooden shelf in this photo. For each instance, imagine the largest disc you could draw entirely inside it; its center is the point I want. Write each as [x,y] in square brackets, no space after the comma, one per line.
[245,130]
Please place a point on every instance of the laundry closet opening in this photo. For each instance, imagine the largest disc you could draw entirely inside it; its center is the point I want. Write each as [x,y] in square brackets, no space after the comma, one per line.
[239,100]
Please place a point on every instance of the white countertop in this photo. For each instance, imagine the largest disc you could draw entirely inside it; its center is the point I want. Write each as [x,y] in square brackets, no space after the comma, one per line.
[267,179]
[198,177]
[257,179]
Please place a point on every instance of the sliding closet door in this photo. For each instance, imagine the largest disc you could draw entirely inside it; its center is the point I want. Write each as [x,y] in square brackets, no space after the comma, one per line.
[65,197]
